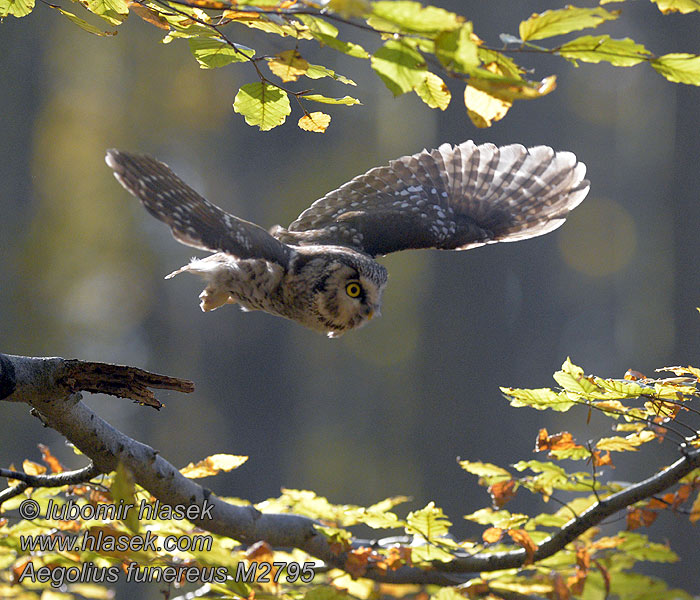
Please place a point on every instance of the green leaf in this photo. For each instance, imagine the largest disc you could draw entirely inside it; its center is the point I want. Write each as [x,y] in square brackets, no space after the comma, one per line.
[572,379]
[412,17]
[498,518]
[347,100]
[349,48]
[429,522]
[262,104]
[456,50]
[506,65]
[16,8]
[319,71]
[83,24]
[563,20]
[401,68]
[112,11]
[215,52]
[122,490]
[594,49]
[680,68]
[491,472]
[539,399]
[639,546]
[434,92]
[681,6]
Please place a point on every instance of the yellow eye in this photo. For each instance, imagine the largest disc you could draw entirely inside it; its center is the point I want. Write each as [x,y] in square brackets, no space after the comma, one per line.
[353,289]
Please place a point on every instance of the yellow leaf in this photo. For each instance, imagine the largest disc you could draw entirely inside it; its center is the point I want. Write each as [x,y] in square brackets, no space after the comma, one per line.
[212,465]
[316,121]
[695,510]
[482,108]
[288,65]
[350,8]
[32,468]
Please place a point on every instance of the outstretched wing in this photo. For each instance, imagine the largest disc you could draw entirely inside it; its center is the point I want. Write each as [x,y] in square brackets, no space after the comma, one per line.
[451,198]
[193,220]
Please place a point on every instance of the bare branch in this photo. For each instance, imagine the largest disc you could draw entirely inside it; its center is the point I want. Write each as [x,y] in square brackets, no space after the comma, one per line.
[56,480]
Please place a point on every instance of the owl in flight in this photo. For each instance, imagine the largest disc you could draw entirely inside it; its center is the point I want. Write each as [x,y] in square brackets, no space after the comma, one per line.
[320,271]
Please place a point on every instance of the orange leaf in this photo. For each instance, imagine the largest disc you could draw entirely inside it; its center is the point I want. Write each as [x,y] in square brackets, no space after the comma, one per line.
[523,539]
[557,441]
[602,458]
[633,375]
[50,459]
[240,15]
[583,559]
[502,492]
[639,517]
[577,582]
[18,569]
[492,535]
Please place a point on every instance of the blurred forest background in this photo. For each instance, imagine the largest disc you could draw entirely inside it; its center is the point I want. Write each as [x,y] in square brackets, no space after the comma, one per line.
[385,410]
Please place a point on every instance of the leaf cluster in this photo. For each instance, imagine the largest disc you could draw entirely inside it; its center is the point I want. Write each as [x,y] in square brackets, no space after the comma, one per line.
[589,565]
[418,47]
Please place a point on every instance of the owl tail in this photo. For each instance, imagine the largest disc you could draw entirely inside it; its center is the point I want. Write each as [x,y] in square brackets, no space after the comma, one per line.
[213,295]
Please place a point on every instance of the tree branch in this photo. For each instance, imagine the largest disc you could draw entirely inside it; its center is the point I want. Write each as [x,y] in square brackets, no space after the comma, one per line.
[49,384]
[56,480]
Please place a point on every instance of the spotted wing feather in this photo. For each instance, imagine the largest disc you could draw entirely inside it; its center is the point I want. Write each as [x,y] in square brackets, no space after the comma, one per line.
[451,198]
[194,221]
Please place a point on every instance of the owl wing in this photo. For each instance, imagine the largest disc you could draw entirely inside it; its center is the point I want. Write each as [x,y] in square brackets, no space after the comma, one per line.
[451,198]
[194,221]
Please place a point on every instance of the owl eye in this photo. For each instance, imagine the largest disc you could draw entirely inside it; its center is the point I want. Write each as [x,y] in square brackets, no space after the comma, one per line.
[353,289]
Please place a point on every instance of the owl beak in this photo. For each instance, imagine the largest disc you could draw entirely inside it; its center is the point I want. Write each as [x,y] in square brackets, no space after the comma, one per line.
[370,314]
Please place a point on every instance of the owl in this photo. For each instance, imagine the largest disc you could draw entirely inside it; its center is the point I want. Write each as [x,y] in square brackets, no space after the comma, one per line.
[321,270]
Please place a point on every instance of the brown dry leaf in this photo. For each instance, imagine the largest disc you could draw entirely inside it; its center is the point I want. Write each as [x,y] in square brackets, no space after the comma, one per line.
[74,526]
[576,582]
[3,522]
[32,468]
[259,552]
[149,15]
[560,589]
[50,459]
[502,492]
[523,539]
[212,465]
[583,559]
[356,562]
[557,441]
[288,65]
[602,458]
[639,517]
[632,375]
[492,535]
[397,557]
[316,121]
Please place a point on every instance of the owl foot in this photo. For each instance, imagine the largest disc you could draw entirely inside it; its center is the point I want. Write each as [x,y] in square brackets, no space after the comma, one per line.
[211,299]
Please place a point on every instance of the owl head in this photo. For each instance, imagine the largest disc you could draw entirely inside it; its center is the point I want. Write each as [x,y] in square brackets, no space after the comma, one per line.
[347,290]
